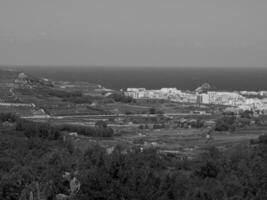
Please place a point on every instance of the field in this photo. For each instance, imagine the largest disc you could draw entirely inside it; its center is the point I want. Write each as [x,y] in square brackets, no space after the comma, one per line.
[135,123]
[180,142]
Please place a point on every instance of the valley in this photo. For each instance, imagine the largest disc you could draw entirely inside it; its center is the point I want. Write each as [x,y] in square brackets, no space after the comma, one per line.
[178,129]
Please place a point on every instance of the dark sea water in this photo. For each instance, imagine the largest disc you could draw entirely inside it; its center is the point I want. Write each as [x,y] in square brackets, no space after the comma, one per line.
[155,78]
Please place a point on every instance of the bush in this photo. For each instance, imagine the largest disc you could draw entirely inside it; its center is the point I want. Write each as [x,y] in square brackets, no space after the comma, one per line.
[98,131]
[226,124]
[10,117]
[120,97]
[64,94]
[36,129]
[152,111]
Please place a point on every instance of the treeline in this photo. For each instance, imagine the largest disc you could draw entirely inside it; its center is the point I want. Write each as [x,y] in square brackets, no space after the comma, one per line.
[46,131]
[231,121]
[37,129]
[72,96]
[97,131]
[8,117]
[64,94]
[79,98]
[120,97]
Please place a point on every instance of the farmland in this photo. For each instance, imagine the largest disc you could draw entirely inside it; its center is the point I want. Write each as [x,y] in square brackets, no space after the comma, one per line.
[181,142]
[170,127]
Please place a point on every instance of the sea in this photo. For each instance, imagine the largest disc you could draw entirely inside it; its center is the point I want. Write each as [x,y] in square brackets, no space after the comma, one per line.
[184,78]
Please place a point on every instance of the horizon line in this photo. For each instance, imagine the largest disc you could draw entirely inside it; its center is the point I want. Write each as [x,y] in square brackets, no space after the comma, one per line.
[130,66]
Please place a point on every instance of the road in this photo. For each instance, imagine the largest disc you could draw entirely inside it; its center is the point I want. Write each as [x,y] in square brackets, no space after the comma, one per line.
[113,115]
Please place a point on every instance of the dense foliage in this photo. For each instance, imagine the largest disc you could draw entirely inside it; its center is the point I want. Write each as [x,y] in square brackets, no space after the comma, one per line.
[97,131]
[239,174]
[40,130]
[120,97]
[65,94]
[24,160]
[76,97]
[8,117]
[46,131]
[231,121]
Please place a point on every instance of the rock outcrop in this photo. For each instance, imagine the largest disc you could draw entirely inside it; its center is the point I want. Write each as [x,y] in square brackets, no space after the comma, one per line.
[205,87]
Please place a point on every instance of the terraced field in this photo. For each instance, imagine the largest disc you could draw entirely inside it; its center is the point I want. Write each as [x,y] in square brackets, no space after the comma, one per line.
[180,142]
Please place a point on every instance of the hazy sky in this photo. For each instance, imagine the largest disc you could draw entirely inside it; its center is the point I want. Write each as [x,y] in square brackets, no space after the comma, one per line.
[133,32]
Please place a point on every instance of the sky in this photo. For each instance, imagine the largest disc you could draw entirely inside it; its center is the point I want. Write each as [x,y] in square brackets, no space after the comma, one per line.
[134,33]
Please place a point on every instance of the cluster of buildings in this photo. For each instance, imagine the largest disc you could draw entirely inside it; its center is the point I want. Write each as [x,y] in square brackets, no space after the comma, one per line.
[221,98]
[164,93]
[254,93]
[236,99]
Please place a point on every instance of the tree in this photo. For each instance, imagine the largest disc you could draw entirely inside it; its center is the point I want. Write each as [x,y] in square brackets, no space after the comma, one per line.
[247,114]
[152,111]
[101,124]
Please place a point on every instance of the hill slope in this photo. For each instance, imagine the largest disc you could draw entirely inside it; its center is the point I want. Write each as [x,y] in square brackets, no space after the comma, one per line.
[53,97]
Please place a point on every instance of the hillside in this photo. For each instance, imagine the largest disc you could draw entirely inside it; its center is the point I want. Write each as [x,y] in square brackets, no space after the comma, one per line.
[46,96]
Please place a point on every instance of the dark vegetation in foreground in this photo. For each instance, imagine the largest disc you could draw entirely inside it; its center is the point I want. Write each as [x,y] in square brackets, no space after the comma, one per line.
[79,98]
[28,155]
[229,121]
[45,131]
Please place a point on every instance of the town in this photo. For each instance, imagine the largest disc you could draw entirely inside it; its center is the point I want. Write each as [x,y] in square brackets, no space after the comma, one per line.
[243,100]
